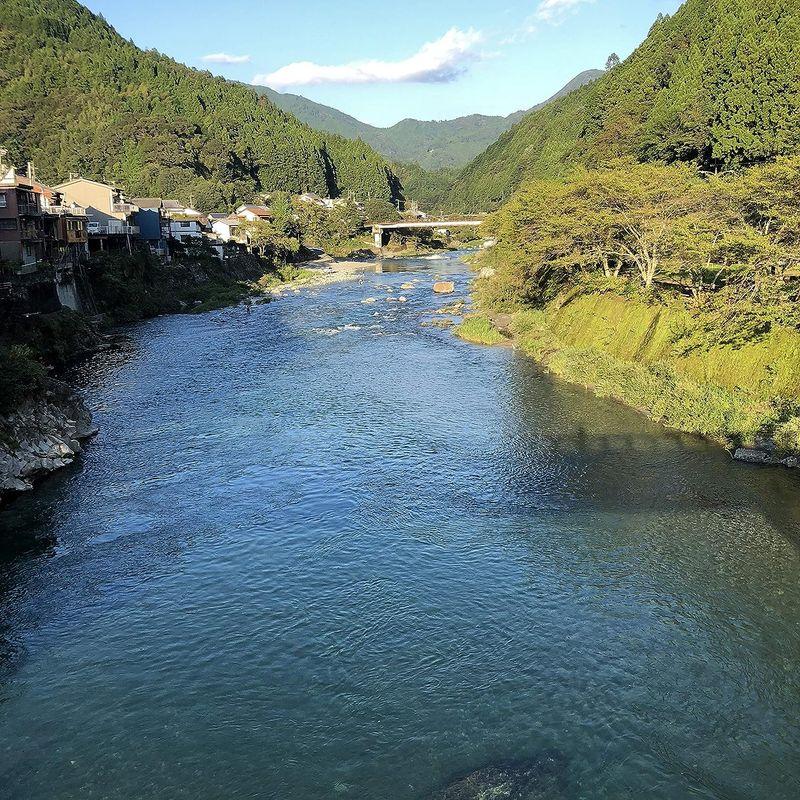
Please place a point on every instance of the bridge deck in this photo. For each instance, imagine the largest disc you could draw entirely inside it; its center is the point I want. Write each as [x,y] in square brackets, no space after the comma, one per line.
[450,223]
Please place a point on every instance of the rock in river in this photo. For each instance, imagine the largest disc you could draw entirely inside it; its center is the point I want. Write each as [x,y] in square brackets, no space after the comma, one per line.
[41,436]
[444,287]
[541,778]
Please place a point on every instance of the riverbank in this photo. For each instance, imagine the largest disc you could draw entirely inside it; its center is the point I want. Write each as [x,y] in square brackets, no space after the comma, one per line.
[645,353]
[41,436]
[43,421]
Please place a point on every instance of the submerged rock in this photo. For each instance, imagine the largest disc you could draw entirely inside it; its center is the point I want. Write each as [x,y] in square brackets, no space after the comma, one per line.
[752,455]
[542,778]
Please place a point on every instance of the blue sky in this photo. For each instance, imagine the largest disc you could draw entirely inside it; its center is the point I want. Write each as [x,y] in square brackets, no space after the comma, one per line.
[383,61]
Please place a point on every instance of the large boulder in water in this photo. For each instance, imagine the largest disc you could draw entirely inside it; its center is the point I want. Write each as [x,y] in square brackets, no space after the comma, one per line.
[542,778]
[444,287]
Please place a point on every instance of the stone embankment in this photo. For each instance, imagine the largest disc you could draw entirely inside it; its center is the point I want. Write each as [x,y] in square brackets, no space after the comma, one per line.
[41,436]
[766,454]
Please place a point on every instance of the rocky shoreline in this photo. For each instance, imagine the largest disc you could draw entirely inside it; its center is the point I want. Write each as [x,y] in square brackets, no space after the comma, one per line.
[42,436]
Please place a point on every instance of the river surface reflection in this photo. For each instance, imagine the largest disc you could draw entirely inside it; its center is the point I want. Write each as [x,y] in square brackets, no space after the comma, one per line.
[320,550]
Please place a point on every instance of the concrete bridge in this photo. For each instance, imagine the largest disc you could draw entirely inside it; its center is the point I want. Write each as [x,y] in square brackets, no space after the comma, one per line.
[381,230]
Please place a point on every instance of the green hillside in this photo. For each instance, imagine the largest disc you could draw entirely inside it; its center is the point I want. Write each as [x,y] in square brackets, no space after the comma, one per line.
[77,97]
[431,144]
[652,250]
[717,85]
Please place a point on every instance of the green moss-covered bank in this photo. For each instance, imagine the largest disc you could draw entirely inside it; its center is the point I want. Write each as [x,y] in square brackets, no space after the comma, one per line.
[478,329]
[656,356]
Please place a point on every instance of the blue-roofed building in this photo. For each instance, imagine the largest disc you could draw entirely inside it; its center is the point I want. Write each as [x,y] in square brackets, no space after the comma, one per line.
[153,223]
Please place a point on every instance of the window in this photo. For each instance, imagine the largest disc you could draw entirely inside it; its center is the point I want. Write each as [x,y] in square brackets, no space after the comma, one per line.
[8,224]
[186,224]
[3,200]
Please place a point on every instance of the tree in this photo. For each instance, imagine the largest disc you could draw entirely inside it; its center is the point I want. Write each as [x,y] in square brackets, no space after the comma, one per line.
[613,61]
[346,221]
[270,241]
[376,210]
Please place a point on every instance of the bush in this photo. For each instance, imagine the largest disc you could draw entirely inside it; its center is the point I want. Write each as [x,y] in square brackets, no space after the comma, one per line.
[21,376]
[787,436]
[379,210]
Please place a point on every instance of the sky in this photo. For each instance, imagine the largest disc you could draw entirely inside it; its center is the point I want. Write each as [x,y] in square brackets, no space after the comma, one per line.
[384,61]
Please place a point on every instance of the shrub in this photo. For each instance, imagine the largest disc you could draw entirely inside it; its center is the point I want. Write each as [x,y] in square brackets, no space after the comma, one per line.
[787,436]
[21,376]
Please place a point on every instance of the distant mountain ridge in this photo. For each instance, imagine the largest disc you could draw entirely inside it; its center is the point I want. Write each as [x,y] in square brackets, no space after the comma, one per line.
[75,96]
[430,144]
[717,85]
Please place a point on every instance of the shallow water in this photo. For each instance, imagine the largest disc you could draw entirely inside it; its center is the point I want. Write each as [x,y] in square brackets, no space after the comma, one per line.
[320,551]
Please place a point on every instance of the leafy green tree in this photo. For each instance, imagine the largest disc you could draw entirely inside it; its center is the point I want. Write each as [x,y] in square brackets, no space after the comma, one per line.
[651,221]
[346,221]
[378,210]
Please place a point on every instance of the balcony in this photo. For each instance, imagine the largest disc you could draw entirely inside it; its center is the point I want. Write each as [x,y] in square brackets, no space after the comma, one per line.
[28,209]
[113,230]
[27,269]
[66,211]
[28,234]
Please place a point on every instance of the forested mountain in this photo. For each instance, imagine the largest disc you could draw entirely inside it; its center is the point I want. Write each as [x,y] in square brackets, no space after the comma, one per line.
[77,97]
[430,144]
[651,251]
[717,85]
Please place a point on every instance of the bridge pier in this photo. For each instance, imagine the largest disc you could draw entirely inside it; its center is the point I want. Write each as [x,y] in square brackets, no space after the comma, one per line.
[380,236]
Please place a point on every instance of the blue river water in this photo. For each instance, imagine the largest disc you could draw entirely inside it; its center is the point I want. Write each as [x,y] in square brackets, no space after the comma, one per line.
[322,550]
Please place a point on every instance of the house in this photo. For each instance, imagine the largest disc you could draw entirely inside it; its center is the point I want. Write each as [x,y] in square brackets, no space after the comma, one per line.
[185,229]
[37,227]
[109,215]
[254,213]
[315,200]
[153,224]
[226,228]
[174,208]
[22,227]
[69,242]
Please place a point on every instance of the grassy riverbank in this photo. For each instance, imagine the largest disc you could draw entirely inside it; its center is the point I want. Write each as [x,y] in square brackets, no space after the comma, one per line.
[480,330]
[672,291]
[644,352]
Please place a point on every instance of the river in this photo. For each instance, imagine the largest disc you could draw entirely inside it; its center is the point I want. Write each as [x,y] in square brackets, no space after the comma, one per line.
[321,551]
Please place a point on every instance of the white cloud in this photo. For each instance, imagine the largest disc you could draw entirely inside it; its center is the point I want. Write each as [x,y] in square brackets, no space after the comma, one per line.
[225,58]
[441,61]
[550,12]
[555,10]
[522,33]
